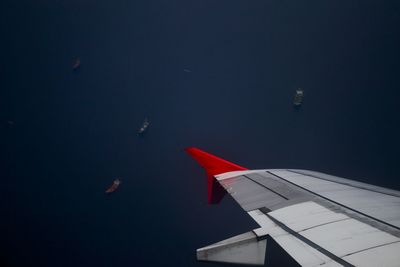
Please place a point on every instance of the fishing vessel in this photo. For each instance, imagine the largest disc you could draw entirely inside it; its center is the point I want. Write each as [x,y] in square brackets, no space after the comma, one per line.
[144,127]
[298,97]
[114,186]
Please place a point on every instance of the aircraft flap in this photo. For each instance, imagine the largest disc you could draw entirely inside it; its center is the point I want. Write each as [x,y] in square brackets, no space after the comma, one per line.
[241,249]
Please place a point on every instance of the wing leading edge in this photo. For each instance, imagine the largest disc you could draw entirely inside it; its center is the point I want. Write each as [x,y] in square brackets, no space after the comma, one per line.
[320,220]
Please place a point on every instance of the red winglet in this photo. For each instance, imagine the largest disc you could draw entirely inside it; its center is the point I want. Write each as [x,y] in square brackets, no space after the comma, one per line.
[213,166]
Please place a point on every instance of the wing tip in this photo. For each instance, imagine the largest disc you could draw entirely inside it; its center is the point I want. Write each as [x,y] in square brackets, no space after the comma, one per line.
[212,164]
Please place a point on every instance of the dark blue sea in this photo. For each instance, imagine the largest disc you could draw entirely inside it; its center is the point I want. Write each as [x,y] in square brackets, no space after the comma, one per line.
[218,75]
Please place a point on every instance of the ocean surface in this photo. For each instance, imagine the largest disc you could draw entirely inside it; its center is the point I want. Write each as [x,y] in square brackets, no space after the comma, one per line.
[218,75]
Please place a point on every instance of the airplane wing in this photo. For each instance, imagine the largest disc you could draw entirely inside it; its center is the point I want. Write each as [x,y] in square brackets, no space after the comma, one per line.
[319,219]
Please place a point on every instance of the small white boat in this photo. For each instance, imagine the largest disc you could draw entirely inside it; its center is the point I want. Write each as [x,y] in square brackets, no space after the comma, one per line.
[144,127]
[298,97]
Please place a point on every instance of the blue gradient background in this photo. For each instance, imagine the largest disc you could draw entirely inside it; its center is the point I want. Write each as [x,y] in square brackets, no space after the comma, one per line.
[74,132]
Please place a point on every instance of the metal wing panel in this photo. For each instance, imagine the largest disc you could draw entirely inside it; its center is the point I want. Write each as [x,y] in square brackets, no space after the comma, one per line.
[344,242]
[257,189]
[267,180]
[385,256]
[244,249]
[300,217]
[348,236]
[304,254]
[379,205]
[249,194]
[301,252]
[345,181]
[333,231]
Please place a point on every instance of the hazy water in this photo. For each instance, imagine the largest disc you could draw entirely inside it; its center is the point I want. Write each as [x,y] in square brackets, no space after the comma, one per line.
[74,132]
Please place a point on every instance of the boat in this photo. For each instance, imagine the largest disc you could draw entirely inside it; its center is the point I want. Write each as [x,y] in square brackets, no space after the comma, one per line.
[298,97]
[77,64]
[144,127]
[114,186]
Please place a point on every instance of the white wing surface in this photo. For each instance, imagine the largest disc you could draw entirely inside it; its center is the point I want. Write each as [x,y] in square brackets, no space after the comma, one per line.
[319,219]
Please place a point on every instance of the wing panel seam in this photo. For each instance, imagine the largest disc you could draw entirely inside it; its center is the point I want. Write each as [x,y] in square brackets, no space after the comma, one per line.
[307,241]
[322,224]
[337,203]
[362,250]
[262,185]
[347,184]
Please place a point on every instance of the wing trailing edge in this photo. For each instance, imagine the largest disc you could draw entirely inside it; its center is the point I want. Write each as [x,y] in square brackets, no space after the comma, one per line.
[241,249]
[213,166]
